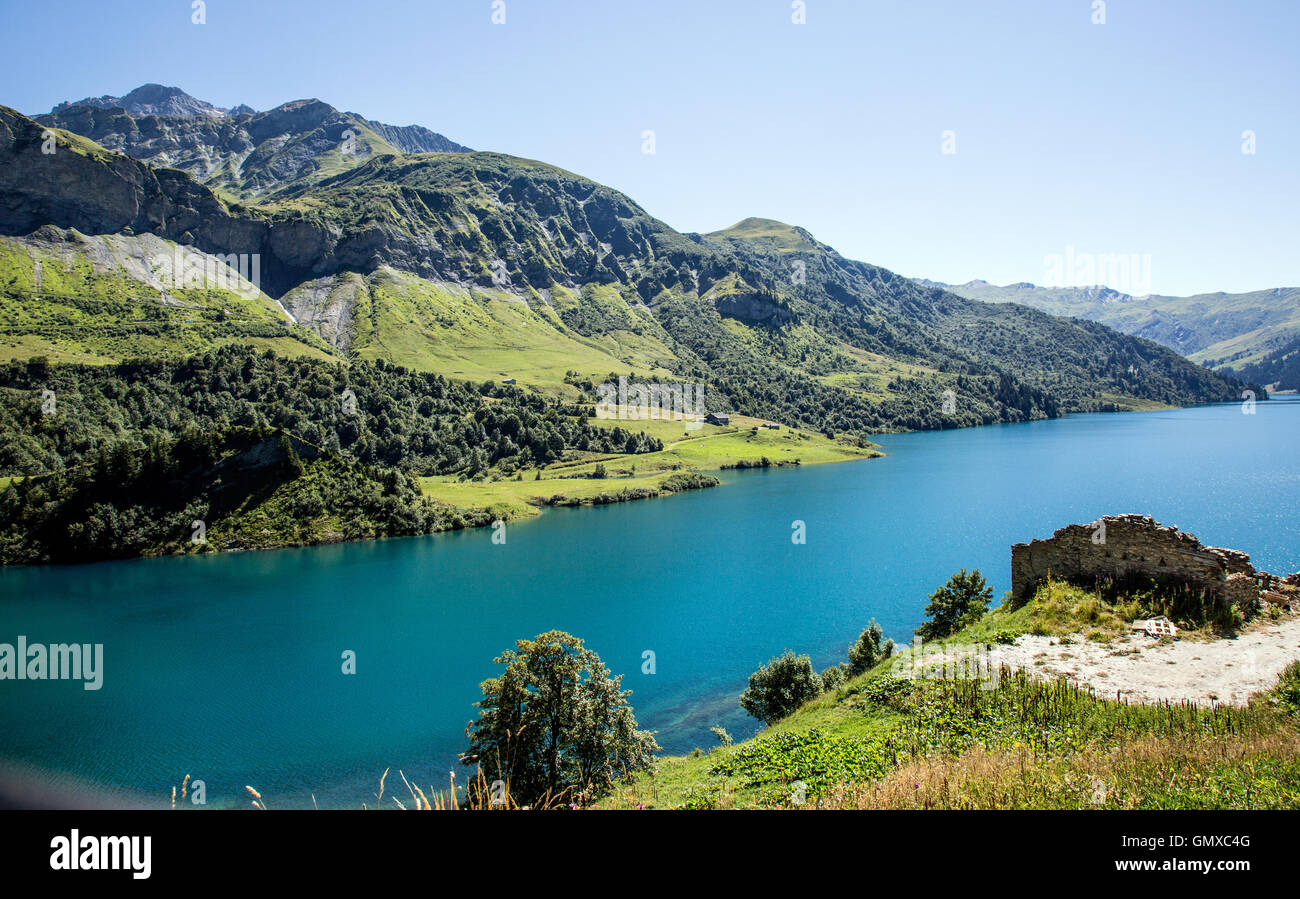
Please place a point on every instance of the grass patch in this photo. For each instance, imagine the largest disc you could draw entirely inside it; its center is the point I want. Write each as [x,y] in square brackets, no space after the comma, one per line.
[710,448]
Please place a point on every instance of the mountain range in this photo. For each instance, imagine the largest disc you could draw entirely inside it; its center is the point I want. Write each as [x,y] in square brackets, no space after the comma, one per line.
[239,153]
[396,244]
[1255,334]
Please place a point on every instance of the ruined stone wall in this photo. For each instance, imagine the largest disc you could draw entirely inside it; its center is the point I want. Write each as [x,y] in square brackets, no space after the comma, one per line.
[1126,545]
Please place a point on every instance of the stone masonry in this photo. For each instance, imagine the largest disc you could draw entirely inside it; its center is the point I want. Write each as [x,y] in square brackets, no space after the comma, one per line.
[1125,545]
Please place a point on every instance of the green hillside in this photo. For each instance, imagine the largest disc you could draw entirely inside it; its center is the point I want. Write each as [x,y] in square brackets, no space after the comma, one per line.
[210,491]
[889,739]
[78,298]
[472,305]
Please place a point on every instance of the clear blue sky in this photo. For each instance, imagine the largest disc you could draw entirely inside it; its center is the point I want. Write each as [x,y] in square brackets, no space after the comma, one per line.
[1115,138]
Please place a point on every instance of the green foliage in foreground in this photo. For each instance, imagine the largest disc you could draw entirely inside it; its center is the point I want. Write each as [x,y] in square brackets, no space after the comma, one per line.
[813,757]
[555,726]
[884,740]
[931,722]
[1287,693]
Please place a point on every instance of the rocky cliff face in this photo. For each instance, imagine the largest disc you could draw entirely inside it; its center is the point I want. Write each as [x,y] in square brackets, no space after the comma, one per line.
[242,152]
[79,185]
[415,138]
[755,308]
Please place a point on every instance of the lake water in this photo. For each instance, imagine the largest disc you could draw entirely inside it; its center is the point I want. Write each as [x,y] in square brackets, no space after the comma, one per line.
[229,667]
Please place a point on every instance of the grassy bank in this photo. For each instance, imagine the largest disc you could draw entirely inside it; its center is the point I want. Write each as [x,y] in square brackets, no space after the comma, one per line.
[711,448]
[883,740]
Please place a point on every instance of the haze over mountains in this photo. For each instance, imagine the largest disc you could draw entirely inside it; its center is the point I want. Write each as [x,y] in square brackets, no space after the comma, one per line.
[397,244]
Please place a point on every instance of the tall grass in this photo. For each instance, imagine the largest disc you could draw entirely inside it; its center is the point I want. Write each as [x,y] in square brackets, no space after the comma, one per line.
[476,795]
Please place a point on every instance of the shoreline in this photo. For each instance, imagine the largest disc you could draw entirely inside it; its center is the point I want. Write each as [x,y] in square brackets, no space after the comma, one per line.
[514,504]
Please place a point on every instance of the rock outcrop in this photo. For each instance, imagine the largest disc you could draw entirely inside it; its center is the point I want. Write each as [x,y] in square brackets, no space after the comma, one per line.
[1121,546]
[244,153]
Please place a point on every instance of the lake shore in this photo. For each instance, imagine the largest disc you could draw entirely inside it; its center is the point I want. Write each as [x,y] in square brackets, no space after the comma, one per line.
[746,442]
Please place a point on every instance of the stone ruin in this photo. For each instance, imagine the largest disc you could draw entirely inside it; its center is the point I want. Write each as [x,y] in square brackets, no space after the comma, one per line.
[1119,546]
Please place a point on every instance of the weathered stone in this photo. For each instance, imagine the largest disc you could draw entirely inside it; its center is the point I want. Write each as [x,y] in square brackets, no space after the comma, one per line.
[1122,546]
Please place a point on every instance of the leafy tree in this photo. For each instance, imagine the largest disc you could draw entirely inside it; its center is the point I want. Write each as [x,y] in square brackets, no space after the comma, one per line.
[871,648]
[780,687]
[961,601]
[555,723]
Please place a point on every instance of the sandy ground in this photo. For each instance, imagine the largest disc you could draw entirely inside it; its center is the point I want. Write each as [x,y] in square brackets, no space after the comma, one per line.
[1223,671]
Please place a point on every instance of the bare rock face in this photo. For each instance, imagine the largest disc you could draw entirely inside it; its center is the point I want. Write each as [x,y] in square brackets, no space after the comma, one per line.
[754,308]
[1124,545]
[243,152]
[150,99]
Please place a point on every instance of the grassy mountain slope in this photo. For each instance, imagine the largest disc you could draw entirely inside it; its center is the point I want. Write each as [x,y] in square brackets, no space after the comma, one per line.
[1279,367]
[471,332]
[79,298]
[1075,366]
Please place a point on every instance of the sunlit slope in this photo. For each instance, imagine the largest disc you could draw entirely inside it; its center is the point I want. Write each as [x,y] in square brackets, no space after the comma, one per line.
[78,298]
[475,333]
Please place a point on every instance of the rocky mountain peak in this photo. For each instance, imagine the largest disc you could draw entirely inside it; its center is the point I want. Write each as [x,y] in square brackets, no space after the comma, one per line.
[151,99]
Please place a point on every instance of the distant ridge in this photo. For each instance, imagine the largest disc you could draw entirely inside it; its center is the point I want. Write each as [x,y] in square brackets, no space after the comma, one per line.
[154,99]
[1236,331]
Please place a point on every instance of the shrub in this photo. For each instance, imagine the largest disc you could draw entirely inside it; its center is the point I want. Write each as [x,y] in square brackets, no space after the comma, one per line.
[885,690]
[870,649]
[833,677]
[1287,692]
[960,602]
[780,687]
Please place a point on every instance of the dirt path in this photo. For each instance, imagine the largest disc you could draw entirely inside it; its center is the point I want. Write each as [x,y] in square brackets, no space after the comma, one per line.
[1224,671]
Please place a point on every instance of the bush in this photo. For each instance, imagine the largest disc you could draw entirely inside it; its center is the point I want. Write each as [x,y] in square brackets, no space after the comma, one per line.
[780,687]
[871,648]
[960,602]
[833,677]
[885,690]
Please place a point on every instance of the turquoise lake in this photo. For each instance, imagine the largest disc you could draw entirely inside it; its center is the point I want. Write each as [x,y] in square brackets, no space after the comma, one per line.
[228,668]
